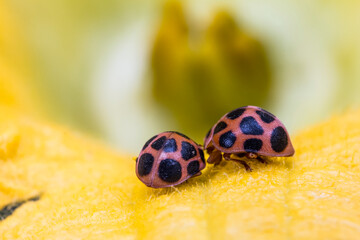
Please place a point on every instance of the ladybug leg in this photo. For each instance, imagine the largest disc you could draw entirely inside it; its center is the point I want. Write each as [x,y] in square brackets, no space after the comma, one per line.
[261,160]
[255,156]
[227,156]
[197,174]
[242,162]
[246,166]
[251,155]
[210,149]
[241,155]
[215,157]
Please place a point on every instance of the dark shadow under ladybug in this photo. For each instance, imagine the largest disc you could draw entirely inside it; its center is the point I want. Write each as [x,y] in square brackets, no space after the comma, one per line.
[216,157]
[204,180]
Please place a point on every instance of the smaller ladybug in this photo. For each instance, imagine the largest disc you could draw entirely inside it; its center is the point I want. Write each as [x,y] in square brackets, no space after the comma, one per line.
[168,159]
[248,132]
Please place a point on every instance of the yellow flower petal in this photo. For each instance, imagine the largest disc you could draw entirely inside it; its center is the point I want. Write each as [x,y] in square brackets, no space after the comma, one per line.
[88,191]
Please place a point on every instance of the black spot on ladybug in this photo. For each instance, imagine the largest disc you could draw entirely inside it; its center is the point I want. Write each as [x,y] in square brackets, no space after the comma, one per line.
[267,118]
[157,145]
[181,134]
[250,126]
[261,109]
[236,113]
[220,126]
[170,145]
[278,139]
[193,168]
[145,165]
[148,142]
[253,145]
[227,140]
[170,170]
[201,154]
[187,150]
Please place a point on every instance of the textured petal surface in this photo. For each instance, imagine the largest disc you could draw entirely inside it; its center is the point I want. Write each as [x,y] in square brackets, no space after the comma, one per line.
[87,191]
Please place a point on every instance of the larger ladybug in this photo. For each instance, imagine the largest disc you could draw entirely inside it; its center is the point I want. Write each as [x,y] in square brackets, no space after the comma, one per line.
[247,132]
[168,159]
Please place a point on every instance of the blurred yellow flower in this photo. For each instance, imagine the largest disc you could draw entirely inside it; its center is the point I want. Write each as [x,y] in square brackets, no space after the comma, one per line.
[15,70]
[200,75]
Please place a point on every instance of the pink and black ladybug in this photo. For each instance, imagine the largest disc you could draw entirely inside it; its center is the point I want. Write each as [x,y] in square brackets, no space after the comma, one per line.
[247,132]
[168,159]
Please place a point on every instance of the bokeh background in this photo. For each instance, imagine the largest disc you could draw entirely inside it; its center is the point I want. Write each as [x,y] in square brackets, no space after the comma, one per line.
[125,70]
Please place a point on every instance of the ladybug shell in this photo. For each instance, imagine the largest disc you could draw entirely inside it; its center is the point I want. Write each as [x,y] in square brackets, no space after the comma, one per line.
[208,138]
[168,159]
[250,129]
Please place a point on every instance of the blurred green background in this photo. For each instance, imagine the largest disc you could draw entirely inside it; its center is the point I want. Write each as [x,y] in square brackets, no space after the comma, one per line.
[124,71]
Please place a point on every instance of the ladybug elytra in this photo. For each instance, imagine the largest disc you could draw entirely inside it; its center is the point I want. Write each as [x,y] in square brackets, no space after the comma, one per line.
[247,132]
[168,159]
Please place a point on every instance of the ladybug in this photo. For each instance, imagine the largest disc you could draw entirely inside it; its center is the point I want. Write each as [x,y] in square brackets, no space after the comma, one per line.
[247,132]
[168,159]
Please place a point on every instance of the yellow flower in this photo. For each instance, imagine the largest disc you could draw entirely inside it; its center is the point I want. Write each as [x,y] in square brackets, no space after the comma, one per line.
[15,73]
[200,74]
[87,190]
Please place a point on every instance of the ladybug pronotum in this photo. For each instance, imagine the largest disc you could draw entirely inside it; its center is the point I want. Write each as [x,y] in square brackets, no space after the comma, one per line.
[168,159]
[247,132]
